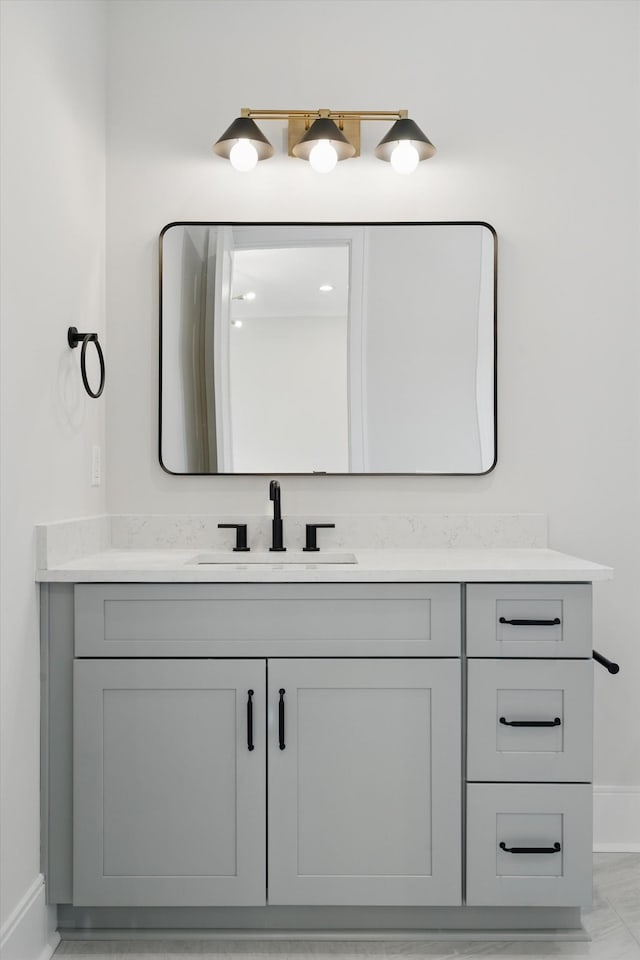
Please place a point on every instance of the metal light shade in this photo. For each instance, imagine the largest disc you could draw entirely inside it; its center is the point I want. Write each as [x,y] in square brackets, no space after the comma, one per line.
[243,128]
[405,129]
[324,129]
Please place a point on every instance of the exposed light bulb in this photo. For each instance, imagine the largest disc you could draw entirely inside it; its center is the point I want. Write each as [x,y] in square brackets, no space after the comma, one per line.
[249,296]
[243,155]
[404,157]
[325,288]
[323,157]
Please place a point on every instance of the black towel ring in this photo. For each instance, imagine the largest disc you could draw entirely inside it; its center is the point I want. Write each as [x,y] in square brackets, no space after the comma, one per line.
[73,339]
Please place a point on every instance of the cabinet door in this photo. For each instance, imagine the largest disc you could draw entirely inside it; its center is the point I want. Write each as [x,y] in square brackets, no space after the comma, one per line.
[168,797]
[365,784]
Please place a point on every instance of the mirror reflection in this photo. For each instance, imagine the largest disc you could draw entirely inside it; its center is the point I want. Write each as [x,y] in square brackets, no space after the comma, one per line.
[327,348]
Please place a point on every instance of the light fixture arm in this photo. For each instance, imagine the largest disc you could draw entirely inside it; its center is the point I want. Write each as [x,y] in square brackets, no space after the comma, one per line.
[255,114]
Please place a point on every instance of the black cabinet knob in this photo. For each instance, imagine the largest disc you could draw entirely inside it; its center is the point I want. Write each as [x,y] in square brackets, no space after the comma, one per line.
[241,535]
[311,544]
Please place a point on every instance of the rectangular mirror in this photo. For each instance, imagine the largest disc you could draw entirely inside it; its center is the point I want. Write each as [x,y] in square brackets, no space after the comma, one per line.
[328,348]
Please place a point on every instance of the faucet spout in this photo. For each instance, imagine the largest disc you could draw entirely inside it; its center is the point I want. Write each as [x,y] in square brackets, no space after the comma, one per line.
[276,524]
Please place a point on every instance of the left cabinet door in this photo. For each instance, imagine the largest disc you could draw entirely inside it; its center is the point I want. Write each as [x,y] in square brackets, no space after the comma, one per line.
[169,799]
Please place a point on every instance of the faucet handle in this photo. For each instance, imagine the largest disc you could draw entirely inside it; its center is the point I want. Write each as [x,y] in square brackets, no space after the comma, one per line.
[241,535]
[311,545]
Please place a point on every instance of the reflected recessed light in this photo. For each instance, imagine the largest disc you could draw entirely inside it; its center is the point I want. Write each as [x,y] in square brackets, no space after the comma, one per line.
[326,288]
[245,296]
[236,323]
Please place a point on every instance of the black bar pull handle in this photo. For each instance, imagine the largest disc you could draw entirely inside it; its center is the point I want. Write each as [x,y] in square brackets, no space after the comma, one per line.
[249,720]
[281,742]
[556,848]
[531,623]
[531,723]
[609,664]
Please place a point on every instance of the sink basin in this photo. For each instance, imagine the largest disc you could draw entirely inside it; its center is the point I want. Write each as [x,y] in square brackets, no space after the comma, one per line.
[286,558]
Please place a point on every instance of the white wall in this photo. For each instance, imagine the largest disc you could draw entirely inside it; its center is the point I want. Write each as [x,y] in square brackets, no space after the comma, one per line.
[422,350]
[289,395]
[53,227]
[532,106]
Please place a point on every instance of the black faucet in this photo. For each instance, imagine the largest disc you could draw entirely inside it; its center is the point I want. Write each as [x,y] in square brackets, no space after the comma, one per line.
[276,525]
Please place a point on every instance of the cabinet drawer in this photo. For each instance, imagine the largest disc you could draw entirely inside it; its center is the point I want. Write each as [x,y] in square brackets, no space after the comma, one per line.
[145,620]
[529,620]
[509,703]
[529,844]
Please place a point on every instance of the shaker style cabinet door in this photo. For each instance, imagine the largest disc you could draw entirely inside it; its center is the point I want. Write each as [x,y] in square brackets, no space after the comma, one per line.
[168,796]
[364,782]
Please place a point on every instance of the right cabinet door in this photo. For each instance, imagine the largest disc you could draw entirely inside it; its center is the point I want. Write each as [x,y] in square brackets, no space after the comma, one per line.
[364,782]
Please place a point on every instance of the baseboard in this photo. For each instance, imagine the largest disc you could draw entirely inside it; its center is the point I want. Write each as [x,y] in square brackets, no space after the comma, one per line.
[616,819]
[30,931]
[347,936]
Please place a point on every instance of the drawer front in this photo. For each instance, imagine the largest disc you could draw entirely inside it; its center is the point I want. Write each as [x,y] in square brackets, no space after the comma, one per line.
[529,844]
[530,720]
[150,620]
[529,620]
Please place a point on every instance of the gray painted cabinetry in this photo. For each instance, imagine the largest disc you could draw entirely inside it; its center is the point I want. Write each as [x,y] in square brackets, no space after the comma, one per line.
[364,801]
[168,801]
[529,710]
[270,749]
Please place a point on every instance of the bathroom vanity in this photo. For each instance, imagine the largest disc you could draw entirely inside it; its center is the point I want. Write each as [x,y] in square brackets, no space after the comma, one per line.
[388,747]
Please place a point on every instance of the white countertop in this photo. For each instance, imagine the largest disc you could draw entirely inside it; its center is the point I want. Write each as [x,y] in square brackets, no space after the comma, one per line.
[440,564]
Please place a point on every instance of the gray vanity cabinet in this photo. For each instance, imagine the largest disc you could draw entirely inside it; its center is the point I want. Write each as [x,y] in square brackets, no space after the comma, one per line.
[169,776]
[415,754]
[170,782]
[364,782]
[168,800]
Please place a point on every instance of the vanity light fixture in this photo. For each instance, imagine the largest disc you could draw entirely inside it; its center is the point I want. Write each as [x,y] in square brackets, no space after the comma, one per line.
[324,137]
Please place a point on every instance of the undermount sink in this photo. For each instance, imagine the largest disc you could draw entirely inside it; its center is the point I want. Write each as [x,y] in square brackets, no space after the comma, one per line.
[286,558]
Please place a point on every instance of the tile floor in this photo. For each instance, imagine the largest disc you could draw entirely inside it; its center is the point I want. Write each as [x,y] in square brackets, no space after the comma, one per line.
[613,924]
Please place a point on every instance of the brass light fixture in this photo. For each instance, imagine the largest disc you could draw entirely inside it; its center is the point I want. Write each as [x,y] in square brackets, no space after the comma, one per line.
[323,137]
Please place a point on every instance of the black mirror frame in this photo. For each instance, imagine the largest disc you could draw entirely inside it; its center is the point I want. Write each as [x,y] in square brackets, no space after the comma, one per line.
[360,223]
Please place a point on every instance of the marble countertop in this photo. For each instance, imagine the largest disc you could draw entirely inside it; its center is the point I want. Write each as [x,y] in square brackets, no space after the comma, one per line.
[439,564]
